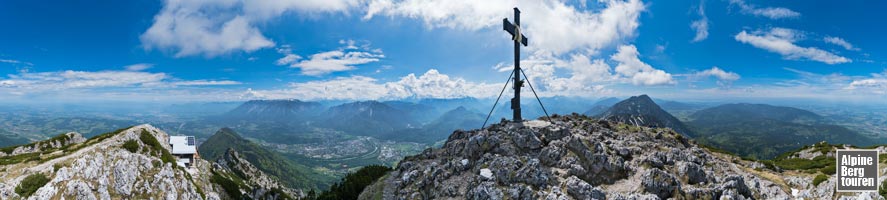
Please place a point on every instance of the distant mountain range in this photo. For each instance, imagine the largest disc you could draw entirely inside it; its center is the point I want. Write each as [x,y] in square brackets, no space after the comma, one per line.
[427,120]
[441,128]
[755,130]
[275,110]
[765,131]
[367,118]
[642,111]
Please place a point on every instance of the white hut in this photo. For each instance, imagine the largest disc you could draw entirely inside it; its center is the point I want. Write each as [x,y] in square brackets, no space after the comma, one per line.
[184,148]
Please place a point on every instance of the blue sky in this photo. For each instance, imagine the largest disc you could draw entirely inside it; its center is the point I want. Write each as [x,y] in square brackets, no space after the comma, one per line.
[391,49]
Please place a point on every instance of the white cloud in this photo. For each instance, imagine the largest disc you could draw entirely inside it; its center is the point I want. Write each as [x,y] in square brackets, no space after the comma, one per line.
[769,12]
[95,82]
[876,84]
[781,41]
[431,84]
[719,74]
[585,77]
[205,83]
[211,28]
[82,79]
[342,59]
[216,27]
[640,73]
[840,42]
[335,61]
[700,25]
[724,78]
[552,26]
[288,56]
[138,67]
[10,61]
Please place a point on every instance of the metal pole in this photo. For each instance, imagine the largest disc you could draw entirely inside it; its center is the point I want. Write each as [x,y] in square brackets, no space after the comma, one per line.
[515,102]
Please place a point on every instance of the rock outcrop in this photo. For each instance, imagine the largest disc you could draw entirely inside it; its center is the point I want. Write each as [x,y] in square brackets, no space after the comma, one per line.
[55,142]
[575,157]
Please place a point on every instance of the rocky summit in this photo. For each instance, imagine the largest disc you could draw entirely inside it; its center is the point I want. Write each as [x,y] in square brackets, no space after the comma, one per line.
[576,157]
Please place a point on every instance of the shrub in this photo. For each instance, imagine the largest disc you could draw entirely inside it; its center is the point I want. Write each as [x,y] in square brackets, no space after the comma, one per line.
[56,167]
[819,179]
[30,184]
[829,170]
[354,183]
[151,141]
[883,189]
[131,145]
[228,185]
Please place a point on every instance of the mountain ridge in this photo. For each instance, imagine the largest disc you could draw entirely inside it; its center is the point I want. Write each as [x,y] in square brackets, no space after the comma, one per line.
[275,165]
[643,111]
[132,162]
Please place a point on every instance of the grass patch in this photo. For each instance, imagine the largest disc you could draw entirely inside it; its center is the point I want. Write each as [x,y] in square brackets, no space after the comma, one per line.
[818,162]
[20,158]
[819,179]
[30,184]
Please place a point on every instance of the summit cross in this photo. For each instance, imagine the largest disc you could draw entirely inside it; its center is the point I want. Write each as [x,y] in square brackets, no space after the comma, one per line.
[518,38]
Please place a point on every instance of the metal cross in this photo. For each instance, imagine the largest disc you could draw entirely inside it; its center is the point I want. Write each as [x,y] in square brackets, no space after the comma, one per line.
[518,38]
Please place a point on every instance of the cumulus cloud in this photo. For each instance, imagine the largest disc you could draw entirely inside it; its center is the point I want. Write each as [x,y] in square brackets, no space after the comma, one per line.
[431,84]
[215,27]
[769,12]
[700,25]
[718,73]
[342,59]
[583,76]
[138,67]
[840,42]
[552,25]
[586,76]
[212,28]
[724,78]
[638,72]
[782,41]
